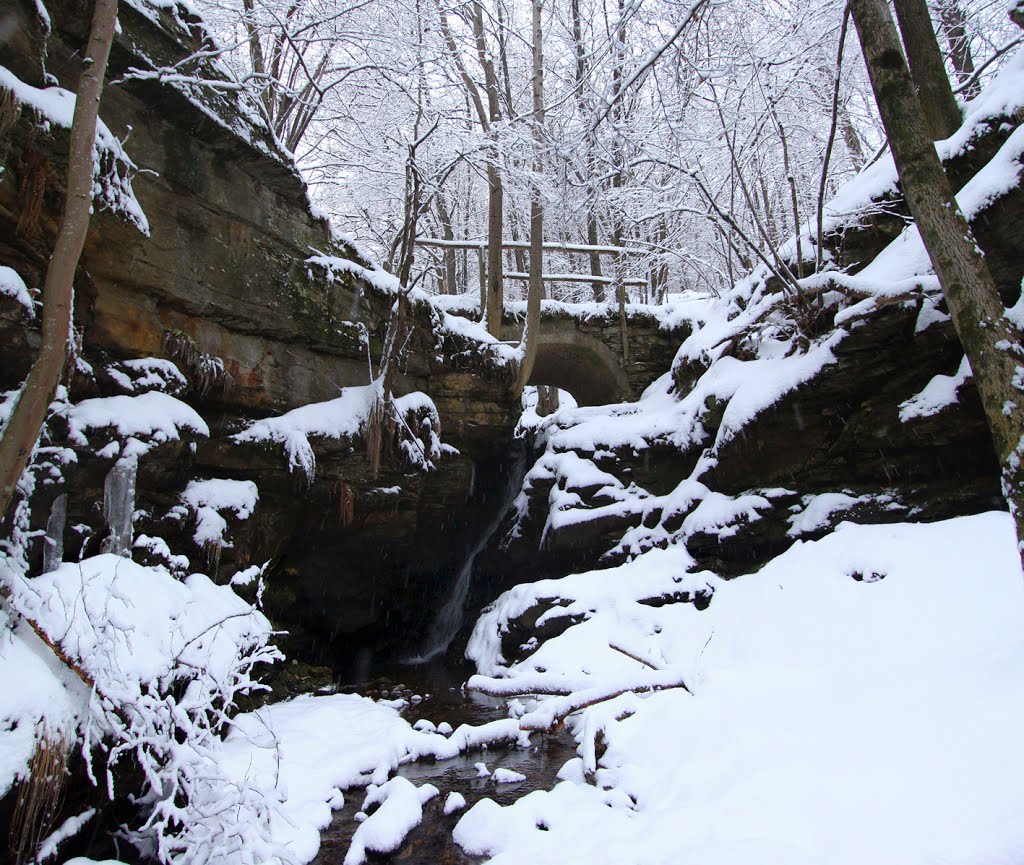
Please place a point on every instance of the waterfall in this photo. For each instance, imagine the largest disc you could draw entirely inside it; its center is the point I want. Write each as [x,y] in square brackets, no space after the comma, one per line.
[448,622]
[119,506]
[53,541]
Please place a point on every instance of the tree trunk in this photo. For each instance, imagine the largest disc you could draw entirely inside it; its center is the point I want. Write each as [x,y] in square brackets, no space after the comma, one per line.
[927,69]
[991,343]
[495,262]
[586,109]
[851,139]
[29,413]
[444,217]
[595,259]
[495,191]
[954,25]
[618,77]
[531,331]
[491,293]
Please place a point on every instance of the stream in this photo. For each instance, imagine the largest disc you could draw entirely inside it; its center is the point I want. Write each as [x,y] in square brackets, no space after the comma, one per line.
[431,843]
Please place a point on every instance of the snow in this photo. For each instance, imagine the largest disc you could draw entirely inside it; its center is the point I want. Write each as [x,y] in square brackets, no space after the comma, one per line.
[345,418]
[502,775]
[147,373]
[68,829]
[669,316]
[142,421]
[828,708]
[818,509]
[455,802]
[400,810]
[127,624]
[14,286]
[36,692]
[940,392]
[158,548]
[339,418]
[111,188]
[149,659]
[774,752]
[1000,98]
[334,265]
[83,860]
[307,749]
[209,498]
[858,699]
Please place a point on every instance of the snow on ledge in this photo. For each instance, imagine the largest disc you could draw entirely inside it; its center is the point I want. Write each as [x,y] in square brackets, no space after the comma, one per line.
[143,421]
[209,498]
[338,418]
[112,188]
[346,417]
[14,286]
[939,393]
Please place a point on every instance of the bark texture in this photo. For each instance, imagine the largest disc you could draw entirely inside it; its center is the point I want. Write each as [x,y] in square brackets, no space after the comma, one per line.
[927,68]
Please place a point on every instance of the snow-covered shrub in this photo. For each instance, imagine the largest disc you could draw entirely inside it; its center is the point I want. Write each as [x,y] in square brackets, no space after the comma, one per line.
[164,662]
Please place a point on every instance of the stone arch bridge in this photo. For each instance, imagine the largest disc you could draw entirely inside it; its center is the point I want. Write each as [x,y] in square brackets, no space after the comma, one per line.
[581,349]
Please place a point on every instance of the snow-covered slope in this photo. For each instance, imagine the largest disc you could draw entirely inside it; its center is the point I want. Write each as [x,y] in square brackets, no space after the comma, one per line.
[858,699]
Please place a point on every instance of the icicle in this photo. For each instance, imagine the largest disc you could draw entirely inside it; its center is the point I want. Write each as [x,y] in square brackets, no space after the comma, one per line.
[119,506]
[53,543]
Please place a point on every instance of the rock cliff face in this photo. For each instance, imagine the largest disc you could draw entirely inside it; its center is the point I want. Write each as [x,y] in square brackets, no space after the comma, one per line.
[223,286]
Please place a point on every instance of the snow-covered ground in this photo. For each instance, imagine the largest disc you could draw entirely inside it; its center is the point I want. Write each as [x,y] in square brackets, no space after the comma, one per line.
[859,699]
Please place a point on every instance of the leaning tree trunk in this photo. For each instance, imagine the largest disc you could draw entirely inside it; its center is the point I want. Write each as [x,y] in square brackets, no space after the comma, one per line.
[927,68]
[29,413]
[990,341]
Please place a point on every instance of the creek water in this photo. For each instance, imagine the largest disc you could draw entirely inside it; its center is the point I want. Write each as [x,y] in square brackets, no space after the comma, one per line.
[431,842]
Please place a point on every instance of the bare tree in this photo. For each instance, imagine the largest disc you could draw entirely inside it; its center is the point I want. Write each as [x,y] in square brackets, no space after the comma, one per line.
[488,118]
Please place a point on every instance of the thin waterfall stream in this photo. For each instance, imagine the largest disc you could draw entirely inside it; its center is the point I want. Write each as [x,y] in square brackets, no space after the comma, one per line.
[449,620]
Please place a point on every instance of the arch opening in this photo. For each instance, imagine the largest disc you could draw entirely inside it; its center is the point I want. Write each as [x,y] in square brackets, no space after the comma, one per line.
[582,370]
